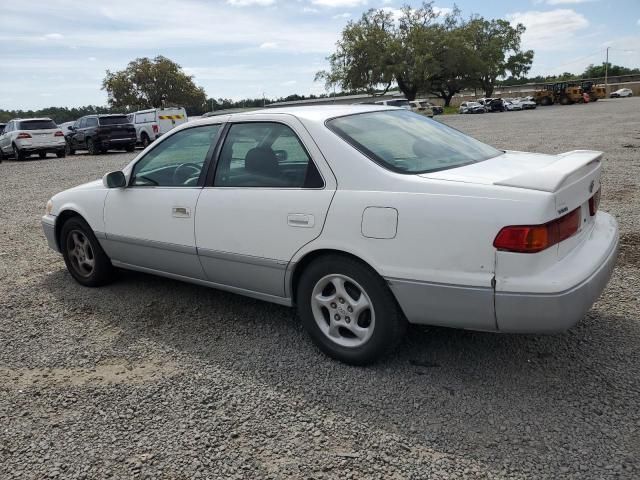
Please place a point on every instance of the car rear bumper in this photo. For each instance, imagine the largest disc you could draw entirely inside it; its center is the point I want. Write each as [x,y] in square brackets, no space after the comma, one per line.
[590,264]
[488,309]
[49,228]
[117,142]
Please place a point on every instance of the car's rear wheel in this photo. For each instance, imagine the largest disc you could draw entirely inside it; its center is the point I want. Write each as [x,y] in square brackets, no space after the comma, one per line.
[68,150]
[61,153]
[18,154]
[130,148]
[42,154]
[86,261]
[91,147]
[146,141]
[348,310]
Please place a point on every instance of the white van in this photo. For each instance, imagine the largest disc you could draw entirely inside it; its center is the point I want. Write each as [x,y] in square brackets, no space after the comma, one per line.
[151,124]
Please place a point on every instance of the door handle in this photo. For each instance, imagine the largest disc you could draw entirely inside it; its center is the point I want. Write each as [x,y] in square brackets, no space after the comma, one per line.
[181,212]
[300,220]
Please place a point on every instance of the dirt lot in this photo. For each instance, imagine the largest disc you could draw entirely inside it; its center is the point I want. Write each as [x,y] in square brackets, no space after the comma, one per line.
[151,378]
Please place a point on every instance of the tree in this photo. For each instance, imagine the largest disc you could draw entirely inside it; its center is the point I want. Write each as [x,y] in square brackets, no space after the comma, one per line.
[363,59]
[595,71]
[496,48]
[152,83]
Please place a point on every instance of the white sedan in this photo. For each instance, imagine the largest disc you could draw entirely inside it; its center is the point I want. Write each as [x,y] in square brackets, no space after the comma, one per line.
[622,92]
[362,217]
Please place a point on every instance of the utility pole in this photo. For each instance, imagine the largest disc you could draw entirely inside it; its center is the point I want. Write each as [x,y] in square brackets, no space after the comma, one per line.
[606,73]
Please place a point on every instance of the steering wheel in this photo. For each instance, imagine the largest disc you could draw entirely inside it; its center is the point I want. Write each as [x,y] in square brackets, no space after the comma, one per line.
[185,172]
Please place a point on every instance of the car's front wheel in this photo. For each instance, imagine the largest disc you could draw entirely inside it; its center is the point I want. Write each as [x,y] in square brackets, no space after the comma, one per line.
[91,147]
[348,310]
[86,261]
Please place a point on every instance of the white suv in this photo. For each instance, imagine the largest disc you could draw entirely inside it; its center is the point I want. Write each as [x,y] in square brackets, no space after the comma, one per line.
[24,137]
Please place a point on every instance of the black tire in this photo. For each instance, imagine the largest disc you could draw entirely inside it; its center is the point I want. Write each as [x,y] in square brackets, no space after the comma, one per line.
[61,154]
[18,154]
[68,150]
[102,272]
[545,102]
[104,150]
[91,147]
[145,140]
[42,154]
[564,101]
[2,155]
[130,148]
[385,318]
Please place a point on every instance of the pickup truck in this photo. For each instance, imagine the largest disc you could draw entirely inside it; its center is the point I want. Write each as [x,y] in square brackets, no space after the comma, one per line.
[99,133]
[152,123]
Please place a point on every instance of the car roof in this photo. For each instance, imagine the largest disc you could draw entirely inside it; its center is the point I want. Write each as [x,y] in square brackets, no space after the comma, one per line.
[29,119]
[318,113]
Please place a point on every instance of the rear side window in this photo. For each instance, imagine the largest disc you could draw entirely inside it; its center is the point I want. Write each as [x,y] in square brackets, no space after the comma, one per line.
[406,142]
[265,154]
[145,117]
[114,120]
[37,125]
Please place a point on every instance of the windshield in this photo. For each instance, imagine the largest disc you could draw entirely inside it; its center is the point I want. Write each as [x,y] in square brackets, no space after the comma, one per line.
[37,125]
[114,120]
[406,142]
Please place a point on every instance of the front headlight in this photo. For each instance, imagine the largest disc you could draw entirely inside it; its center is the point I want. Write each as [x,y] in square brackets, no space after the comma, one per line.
[49,208]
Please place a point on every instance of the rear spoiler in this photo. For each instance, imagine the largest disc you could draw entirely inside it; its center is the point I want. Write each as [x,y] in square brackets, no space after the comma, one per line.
[554,175]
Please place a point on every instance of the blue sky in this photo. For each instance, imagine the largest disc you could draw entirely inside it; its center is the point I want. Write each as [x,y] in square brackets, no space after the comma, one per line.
[55,52]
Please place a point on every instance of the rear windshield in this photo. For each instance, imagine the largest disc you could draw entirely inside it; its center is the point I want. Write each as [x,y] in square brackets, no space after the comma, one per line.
[115,120]
[37,125]
[406,142]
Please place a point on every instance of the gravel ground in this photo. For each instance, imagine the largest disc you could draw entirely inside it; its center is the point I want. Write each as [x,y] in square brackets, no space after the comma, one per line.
[152,378]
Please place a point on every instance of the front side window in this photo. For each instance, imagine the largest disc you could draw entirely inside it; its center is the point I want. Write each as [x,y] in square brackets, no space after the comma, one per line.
[265,154]
[406,142]
[92,122]
[177,161]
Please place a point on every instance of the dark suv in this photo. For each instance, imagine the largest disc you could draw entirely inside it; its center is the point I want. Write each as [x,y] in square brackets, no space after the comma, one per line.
[99,133]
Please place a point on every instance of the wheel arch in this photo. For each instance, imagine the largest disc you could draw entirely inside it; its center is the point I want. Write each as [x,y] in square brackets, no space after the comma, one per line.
[61,219]
[295,269]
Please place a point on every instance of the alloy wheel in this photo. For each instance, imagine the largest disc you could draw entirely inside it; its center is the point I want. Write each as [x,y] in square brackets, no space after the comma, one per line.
[80,253]
[343,310]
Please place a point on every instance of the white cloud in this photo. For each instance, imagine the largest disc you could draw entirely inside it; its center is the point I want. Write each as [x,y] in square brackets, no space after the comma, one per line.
[552,30]
[310,10]
[250,3]
[442,11]
[342,15]
[339,3]
[288,83]
[54,36]
[268,45]
[92,59]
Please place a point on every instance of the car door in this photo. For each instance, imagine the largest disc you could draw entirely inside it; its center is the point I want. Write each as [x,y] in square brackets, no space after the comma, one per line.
[150,223]
[78,137]
[5,138]
[269,197]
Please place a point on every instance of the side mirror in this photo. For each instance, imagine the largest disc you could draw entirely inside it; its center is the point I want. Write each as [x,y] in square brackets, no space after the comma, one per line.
[71,128]
[114,180]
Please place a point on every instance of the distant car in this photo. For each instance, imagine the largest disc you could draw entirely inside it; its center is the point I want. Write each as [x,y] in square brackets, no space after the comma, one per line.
[396,102]
[471,107]
[622,92]
[419,107]
[152,123]
[437,109]
[512,104]
[495,105]
[2,125]
[527,104]
[100,133]
[24,137]
[66,127]
[362,217]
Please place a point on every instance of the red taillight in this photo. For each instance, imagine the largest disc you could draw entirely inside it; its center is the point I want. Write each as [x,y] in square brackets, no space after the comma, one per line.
[58,134]
[23,135]
[155,128]
[535,238]
[594,202]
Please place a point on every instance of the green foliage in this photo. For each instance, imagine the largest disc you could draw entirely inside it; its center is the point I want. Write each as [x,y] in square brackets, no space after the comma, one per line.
[423,52]
[147,83]
[57,114]
[594,71]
